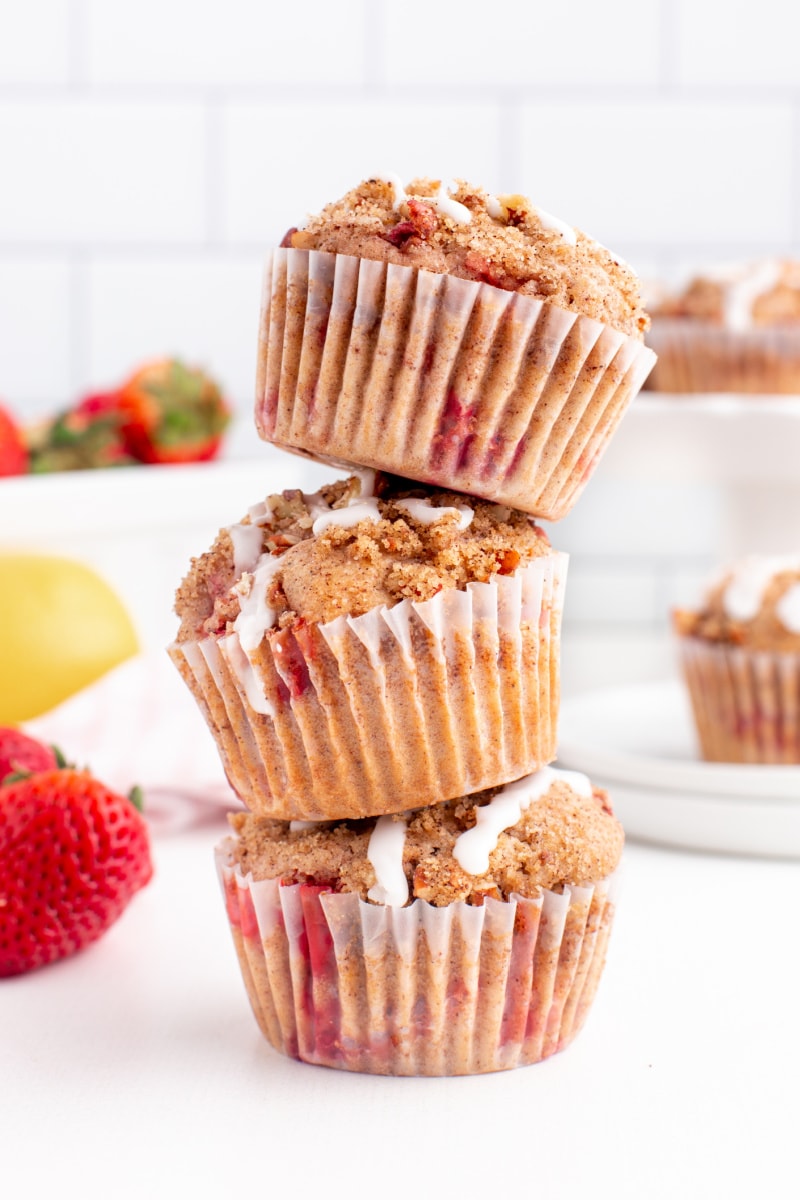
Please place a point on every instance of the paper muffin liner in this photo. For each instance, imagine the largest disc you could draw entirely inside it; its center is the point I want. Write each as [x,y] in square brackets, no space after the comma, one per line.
[746,703]
[460,990]
[443,380]
[406,705]
[694,356]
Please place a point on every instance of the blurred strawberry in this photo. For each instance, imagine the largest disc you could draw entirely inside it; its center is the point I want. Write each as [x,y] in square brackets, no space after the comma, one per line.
[171,413]
[13,453]
[20,753]
[87,435]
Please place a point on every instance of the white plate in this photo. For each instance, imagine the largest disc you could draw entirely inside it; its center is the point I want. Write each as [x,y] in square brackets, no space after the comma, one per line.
[638,742]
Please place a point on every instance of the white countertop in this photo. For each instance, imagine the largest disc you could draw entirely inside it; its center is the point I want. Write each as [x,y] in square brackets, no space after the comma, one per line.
[137,1069]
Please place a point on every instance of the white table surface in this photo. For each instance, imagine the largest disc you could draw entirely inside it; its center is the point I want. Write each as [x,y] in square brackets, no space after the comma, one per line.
[137,1069]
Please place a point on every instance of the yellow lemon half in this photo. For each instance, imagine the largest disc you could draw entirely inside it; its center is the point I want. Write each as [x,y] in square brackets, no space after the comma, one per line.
[61,627]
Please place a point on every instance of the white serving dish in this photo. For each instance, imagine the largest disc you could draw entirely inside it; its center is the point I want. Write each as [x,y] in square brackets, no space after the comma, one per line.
[638,742]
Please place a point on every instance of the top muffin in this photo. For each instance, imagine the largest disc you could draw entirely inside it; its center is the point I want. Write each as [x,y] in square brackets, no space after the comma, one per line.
[458,229]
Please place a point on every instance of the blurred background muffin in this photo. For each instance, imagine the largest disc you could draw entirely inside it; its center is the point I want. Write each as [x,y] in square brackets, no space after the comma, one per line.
[741,660]
[733,329]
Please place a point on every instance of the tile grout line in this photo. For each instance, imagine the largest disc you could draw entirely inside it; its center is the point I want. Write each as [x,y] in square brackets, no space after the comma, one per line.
[78,325]
[214,151]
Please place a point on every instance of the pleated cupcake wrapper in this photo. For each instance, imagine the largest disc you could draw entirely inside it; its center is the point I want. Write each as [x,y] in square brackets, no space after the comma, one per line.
[419,990]
[439,379]
[697,357]
[404,706]
[746,703]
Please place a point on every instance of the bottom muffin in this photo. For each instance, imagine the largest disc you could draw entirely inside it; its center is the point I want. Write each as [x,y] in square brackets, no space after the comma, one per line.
[452,940]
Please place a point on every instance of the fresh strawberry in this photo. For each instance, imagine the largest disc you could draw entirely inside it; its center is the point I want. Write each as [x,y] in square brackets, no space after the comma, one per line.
[13,453]
[172,413]
[72,854]
[21,754]
[84,436]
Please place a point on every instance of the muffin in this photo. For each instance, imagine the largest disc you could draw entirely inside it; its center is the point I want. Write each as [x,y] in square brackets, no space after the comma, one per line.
[741,660]
[735,329]
[373,647]
[464,340]
[453,940]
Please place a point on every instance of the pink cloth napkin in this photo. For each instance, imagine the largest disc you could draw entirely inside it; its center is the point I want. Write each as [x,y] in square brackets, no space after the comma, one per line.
[139,725]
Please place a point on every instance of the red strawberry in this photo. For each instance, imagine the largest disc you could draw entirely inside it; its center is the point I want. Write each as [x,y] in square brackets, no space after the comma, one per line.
[87,435]
[172,413]
[72,854]
[13,454]
[21,753]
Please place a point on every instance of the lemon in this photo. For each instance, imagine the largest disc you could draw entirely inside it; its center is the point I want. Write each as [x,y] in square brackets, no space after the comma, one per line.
[61,627]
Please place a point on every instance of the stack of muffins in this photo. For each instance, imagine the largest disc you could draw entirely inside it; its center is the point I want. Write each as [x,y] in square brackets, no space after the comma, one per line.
[413,890]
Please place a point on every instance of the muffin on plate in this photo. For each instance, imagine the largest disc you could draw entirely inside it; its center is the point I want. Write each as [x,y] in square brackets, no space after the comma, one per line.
[741,659]
[458,939]
[732,329]
[461,339]
[373,647]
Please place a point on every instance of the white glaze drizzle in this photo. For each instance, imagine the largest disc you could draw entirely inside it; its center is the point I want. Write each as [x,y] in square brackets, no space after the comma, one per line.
[495,209]
[255,615]
[787,610]
[385,852]
[261,513]
[742,292]
[350,515]
[425,513]
[441,200]
[246,541]
[556,225]
[749,580]
[473,848]
[245,673]
[741,285]
[499,212]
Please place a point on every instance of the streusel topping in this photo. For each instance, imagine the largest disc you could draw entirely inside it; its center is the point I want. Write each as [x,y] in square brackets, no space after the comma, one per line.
[459,229]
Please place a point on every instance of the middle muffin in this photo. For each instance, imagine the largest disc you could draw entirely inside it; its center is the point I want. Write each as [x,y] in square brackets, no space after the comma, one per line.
[374,646]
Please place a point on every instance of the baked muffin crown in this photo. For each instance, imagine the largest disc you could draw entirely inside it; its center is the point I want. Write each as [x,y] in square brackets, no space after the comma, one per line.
[459,229]
[354,545]
[560,831]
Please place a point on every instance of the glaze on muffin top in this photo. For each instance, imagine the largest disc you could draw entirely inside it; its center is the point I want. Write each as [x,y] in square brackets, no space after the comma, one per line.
[356,544]
[459,229]
[547,831]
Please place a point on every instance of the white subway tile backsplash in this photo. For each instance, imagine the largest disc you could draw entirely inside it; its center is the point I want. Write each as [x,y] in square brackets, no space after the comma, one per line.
[612,594]
[203,42]
[284,160]
[665,172]
[34,41]
[83,171]
[203,309]
[720,42]
[684,586]
[35,335]
[653,521]
[523,44]
[598,657]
